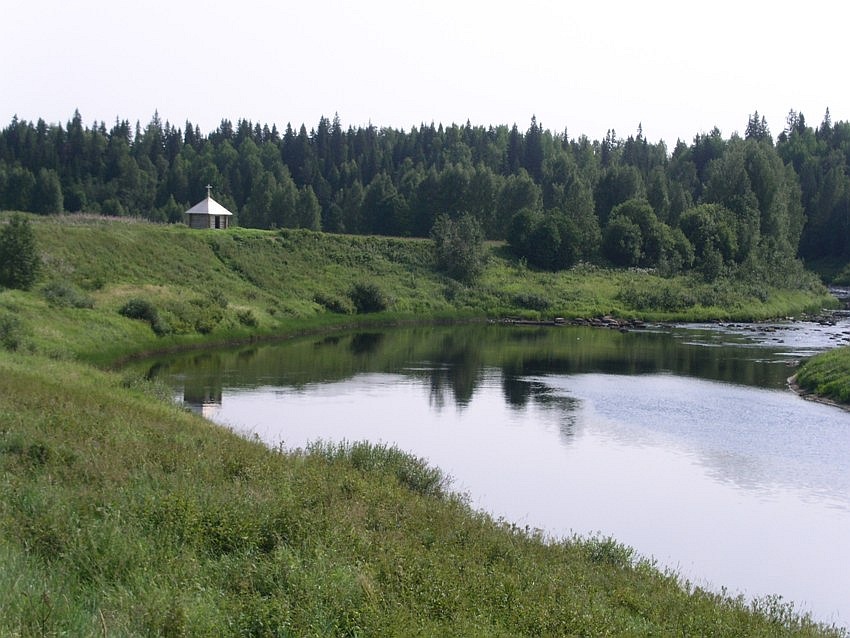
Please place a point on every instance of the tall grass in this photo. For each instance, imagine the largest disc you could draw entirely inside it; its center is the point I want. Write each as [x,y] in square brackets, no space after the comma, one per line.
[827,375]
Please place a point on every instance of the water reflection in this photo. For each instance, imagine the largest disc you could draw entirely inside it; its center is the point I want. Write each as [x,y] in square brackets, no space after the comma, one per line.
[363,342]
[203,400]
[453,360]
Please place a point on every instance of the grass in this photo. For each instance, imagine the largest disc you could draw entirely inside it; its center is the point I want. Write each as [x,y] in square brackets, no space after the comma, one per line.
[827,375]
[208,286]
[124,515]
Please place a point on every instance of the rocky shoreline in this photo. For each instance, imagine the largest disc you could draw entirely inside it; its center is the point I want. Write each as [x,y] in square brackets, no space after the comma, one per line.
[607,321]
[826,318]
[811,396]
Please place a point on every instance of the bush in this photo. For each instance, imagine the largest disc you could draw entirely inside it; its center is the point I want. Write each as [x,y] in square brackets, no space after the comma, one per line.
[246,318]
[217,298]
[339,305]
[367,297]
[531,301]
[453,290]
[152,387]
[667,298]
[11,331]
[139,309]
[205,313]
[143,309]
[412,472]
[160,326]
[186,316]
[205,325]
[66,295]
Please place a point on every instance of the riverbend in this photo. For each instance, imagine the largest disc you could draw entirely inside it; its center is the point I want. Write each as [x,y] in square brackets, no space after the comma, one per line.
[683,442]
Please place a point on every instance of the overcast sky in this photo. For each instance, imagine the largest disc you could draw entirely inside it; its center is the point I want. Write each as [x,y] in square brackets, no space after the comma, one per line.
[677,68]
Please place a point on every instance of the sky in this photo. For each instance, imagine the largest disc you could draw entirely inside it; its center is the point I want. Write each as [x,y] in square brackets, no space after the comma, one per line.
[675,68]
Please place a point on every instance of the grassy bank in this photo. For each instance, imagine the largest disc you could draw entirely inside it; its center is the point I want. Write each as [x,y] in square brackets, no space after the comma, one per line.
[123,515]
[827,375]
[243,284]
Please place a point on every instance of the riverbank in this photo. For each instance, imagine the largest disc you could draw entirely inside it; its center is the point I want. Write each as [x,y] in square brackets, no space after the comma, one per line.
[190,288]
[122,514]
[826,377]
[811,395]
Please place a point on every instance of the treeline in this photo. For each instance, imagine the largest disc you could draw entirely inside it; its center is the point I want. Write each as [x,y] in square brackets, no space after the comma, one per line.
[714,205]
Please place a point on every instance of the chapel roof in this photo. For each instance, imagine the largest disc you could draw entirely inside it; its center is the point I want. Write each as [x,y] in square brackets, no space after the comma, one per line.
[208,206]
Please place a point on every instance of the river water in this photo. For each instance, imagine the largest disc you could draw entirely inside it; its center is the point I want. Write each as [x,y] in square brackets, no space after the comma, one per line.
[683,442]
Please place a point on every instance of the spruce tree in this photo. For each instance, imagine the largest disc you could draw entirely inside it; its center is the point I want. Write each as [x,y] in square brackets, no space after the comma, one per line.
[19,259]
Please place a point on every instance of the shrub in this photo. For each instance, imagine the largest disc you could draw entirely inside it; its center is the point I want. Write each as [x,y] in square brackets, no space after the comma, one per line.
[152,387]
[93,283]
[246,318]
[143,309]
[339,305]
[185,316]
[453,290]
[11,331]
[205,313]
[367,297]
[161,327]
[667,298]
[66,295]
[719,293]
[139,309]
[205,325]
[412,472]
[531,301]
[217,298]
[606,551]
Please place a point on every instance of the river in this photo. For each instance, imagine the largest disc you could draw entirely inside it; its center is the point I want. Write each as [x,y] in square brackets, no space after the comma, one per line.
[683,442]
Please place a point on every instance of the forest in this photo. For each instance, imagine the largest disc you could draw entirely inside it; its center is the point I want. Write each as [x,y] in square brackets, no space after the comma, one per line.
[717,206]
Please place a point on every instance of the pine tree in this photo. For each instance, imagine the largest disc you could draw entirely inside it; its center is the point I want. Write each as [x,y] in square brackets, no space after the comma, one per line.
[533,154]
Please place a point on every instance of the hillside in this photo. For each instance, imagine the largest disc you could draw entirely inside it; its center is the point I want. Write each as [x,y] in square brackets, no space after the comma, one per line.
[123,515]
[240,284]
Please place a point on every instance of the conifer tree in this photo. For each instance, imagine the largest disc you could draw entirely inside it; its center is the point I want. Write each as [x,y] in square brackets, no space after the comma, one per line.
[19,260]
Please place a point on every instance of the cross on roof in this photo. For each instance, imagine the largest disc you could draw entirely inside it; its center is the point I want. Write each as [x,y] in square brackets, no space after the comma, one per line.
[209,190]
